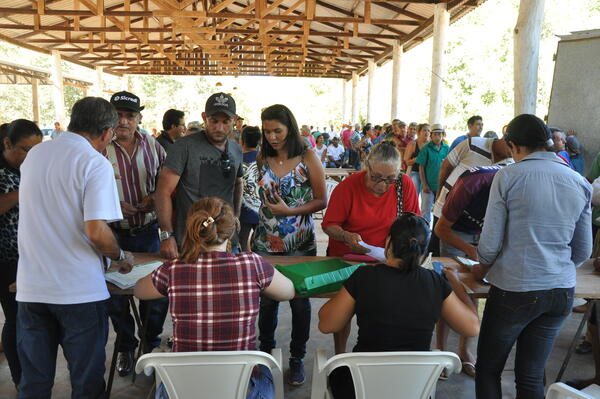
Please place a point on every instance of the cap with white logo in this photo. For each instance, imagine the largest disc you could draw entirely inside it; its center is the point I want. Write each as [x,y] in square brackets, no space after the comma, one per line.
[220,103]
[126,100]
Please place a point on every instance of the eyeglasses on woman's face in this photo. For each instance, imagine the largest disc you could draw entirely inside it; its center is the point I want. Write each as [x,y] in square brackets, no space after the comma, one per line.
[379,178]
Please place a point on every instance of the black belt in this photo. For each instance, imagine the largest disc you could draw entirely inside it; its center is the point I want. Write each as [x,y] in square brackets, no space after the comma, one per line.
[133,231]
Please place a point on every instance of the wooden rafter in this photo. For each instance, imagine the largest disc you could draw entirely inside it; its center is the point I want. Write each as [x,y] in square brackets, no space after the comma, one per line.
[329,38]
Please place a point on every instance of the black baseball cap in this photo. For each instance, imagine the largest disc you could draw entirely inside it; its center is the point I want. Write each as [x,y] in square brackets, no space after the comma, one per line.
[528,130]
[126,100]
[220,103]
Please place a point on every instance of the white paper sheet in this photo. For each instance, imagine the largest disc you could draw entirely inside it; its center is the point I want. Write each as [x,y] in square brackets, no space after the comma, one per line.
[376,252]
[126,281]
[467,262]
[427,262]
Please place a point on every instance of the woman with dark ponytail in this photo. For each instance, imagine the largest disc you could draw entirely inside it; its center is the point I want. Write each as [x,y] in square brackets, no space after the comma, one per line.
[16,139]
[397,303]
[213,293]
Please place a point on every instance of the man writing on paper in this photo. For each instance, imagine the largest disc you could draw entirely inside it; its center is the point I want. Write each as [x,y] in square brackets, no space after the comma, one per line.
[63,243]
[458,229]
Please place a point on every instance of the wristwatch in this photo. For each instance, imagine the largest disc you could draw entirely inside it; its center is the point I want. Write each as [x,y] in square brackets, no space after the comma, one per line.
[164,235]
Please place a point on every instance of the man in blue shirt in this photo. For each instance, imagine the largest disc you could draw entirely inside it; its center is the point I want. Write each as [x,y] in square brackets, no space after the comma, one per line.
[475,125]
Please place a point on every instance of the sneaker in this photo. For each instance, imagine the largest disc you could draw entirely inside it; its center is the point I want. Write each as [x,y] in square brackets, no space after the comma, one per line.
[296,374]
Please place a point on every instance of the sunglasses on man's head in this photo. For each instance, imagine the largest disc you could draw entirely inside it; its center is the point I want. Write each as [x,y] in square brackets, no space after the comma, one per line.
[226,166]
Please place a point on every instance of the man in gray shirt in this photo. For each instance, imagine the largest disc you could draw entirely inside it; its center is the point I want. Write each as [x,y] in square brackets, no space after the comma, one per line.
[200,165]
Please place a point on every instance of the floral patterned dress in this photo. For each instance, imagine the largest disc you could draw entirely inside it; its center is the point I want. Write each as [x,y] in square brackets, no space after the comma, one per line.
[280,234]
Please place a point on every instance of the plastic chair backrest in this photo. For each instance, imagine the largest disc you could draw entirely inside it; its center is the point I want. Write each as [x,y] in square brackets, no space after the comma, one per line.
[558,390]
[381,375]
[224,375]
[330,185]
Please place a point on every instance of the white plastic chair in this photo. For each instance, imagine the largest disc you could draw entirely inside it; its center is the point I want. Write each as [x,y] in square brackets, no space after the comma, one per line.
[223,375]
[330,185]
[558,390]
[381,375]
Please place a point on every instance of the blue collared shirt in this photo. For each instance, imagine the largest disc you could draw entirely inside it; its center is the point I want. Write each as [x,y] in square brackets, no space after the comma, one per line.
[537,225]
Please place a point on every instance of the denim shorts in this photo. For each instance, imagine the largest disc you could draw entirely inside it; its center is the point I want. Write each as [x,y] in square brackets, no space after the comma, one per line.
[260,385]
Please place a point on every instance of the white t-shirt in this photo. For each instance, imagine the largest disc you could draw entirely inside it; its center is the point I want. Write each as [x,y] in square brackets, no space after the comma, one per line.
[335,152]
[475,151]
[64,182]
[320,153]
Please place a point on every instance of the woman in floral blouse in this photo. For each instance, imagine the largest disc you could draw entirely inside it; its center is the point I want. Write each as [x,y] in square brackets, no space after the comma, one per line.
[16,139]
[291,188]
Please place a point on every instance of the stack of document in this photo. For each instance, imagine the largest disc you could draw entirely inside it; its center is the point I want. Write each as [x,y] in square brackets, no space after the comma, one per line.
[126,281]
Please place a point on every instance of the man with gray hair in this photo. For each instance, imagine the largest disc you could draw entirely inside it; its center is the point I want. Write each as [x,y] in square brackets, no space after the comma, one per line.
[64,247]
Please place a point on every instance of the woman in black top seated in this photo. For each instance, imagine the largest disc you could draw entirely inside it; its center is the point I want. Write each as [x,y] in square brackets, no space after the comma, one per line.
[397,303]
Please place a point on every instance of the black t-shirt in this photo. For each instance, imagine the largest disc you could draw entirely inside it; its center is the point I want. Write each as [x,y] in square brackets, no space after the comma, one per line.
[395,310]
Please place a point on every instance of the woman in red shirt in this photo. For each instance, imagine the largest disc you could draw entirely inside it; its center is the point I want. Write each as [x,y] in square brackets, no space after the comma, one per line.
[364,206]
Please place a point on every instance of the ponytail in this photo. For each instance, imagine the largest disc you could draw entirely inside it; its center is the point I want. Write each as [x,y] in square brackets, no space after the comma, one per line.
[210,222]
[17,130]
[409,238]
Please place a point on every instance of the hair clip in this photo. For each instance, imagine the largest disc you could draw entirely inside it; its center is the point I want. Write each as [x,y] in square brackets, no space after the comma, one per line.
[208,221]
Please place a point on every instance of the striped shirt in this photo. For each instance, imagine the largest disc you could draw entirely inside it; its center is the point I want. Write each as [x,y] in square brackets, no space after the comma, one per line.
[136,176]
[215,301]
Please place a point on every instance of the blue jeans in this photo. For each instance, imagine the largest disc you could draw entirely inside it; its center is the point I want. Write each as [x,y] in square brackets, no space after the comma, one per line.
[532,319]
[267,318]
[450,251]
[427,200]
[155,310]
[416,179]
[80,329]
[259,387]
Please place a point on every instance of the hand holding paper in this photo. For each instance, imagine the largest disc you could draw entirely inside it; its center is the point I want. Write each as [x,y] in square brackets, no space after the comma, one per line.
[375,252]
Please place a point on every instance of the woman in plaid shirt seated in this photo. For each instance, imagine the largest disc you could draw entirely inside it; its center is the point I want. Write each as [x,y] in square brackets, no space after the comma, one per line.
[208,284]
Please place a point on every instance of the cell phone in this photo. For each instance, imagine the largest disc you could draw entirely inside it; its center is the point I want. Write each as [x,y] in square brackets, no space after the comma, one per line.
[438,267]
[270,195]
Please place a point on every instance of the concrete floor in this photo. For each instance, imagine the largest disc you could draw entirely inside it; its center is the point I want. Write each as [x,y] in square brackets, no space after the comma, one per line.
[457,386]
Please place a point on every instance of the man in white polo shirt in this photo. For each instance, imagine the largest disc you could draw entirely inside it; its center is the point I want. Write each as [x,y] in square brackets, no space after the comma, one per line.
[67,196]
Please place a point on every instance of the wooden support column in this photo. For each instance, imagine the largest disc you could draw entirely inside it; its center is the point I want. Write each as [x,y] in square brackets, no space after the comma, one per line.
[397,52]
[371,91]
[441,22]
[58,88]
[35,102]
[126,83]
[98,82]
[526,38]
[354,114]
[344,101]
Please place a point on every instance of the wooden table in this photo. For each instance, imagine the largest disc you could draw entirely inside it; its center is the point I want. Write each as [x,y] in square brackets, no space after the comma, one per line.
[588,280]
[339,174]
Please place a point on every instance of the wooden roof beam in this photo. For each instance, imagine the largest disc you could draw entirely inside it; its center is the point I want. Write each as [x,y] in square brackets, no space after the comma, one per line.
[402,11]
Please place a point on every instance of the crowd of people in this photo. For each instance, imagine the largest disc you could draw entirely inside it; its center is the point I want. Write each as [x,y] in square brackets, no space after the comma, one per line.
[215,197]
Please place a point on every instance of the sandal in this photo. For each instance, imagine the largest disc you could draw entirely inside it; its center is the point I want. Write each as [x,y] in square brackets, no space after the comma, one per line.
[468,368]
